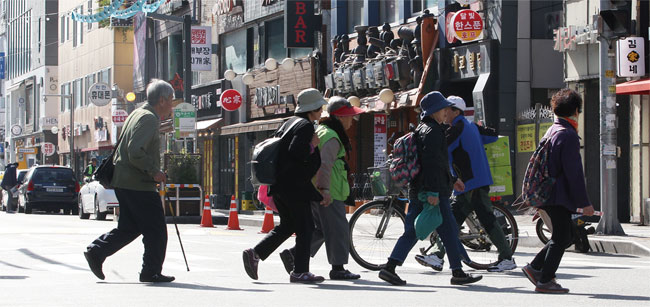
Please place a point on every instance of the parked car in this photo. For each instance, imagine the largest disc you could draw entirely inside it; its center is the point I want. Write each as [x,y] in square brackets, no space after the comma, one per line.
[20,175]
[95,199]
[49,188]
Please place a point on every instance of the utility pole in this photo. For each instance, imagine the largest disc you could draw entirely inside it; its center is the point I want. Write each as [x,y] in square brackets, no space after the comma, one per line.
[609,223]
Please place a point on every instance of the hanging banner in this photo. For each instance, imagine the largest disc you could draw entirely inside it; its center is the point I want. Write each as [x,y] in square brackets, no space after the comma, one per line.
[201,48]
[299,23]
[380,139]
[630,55]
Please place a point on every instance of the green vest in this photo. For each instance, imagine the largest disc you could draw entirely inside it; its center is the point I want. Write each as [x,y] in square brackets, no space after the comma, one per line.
[339,187]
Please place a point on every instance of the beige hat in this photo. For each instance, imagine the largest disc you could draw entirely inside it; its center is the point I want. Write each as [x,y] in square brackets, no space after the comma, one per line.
[310,100]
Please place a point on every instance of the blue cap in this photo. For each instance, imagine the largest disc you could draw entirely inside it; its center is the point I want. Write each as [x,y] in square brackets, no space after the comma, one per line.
[432,103]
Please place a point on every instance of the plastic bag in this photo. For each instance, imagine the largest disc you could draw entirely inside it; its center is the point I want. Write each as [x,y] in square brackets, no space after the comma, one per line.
[262,195]
[427,221]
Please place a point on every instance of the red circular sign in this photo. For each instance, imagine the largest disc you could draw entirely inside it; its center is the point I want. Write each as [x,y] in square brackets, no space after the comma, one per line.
[119,116]
[467,25]
[231,100]
[449,31]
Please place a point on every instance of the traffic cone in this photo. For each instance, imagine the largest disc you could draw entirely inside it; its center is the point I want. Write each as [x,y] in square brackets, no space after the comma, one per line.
[268,220]
[233,219]
[206,220]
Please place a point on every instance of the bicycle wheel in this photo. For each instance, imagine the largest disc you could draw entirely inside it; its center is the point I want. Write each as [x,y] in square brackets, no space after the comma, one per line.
[374,230]
[543,232]
[480,249]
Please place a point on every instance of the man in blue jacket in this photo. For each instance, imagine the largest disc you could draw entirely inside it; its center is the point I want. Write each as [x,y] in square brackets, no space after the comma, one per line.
[468,162]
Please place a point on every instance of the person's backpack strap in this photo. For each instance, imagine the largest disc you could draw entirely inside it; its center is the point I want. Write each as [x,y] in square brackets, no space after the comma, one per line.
[284,129]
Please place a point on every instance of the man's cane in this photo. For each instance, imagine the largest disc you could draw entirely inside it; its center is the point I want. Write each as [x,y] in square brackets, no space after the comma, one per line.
[163,189]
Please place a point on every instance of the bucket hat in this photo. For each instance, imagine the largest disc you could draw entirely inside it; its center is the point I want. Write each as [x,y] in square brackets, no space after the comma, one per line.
[432,103]
[310,100]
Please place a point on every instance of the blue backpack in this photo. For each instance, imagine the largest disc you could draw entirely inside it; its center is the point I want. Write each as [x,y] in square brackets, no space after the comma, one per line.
[538,183]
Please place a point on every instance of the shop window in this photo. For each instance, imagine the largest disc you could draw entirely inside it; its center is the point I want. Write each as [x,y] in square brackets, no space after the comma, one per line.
[234,51]
[65,101]
[175,59]
[274,34]
[298,53]
[356,13]
[545,16]
[90,80]
[62,29]
[388,11]
[76,89]
[421,5]
[29,104]
[162,59]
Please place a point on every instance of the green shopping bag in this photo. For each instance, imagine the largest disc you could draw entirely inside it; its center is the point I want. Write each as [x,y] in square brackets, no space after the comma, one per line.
[427,221]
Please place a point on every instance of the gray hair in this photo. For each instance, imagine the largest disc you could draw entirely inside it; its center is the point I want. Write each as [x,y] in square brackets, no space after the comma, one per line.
[158,89]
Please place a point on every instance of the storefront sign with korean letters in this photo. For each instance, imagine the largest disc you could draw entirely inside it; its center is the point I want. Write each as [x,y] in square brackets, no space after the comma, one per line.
[467,25]
[380,138]
[267,96]
[184,120]
[630,54]
[48,149]
[201,48]
[100,94]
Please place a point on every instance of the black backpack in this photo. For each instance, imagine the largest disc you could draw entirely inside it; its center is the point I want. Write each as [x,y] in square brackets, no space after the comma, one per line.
[265,155]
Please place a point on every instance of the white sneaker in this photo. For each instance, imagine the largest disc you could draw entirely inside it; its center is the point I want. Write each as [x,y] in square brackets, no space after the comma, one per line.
[503,265]
[431,261]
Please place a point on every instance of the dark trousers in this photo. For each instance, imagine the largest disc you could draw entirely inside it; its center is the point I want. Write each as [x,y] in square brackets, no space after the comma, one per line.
[141,213]
[548,259]
[295,217]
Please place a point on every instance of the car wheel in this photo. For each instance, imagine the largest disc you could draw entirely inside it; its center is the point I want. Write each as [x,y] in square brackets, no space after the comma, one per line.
[28,208]
[100,216]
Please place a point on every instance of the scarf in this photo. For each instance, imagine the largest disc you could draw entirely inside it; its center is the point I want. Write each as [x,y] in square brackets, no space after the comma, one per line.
[573,120]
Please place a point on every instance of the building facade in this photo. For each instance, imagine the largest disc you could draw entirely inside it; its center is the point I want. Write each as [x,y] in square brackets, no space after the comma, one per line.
[31,70]
[90,53]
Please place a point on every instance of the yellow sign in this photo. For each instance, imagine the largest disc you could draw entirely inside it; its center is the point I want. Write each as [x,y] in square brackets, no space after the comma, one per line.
[526,138]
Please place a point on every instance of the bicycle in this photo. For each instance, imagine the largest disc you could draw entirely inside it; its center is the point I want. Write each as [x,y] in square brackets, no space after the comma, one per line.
[376,226]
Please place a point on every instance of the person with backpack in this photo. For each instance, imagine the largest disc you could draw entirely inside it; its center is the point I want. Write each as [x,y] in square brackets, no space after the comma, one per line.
[298,160]
[468,161]
[431,187]
[332,180]
[568,192]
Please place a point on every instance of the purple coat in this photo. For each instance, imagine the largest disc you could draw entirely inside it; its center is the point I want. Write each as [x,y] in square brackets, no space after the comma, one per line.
[565,164]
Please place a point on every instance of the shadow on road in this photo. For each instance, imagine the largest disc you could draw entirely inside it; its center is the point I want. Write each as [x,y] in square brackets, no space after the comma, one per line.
[367,285]
[48,260]
[14,266]
[181,285]
[530,290]
[13,277]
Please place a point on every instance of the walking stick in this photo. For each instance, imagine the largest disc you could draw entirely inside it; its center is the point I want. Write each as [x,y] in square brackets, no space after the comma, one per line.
[171,209]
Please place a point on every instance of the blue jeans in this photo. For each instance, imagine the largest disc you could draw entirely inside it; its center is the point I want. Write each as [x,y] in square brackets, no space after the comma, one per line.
[448,232]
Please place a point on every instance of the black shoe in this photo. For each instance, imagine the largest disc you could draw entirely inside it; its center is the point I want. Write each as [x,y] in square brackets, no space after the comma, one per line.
[391,277]
[287,260]
[156,278]
[95,264]
[343,275]
[464,278]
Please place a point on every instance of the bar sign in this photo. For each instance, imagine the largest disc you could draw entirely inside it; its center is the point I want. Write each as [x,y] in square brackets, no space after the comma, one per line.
[299,23]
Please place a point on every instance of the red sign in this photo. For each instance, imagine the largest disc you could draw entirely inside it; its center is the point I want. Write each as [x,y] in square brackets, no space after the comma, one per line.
[231,100]
[467,25]
[119,117]
[380,123]
[48,149]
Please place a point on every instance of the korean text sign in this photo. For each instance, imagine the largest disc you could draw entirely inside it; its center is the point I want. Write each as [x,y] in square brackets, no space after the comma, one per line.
[201,48]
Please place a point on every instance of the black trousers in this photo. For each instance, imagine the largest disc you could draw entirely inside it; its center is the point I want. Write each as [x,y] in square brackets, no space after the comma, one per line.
[141,213]
[548,259]
[295,217]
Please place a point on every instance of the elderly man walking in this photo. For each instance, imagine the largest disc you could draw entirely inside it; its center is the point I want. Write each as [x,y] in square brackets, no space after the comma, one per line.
[137,171]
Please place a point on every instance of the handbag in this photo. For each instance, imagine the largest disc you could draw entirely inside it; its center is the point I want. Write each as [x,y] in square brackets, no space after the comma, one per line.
[427,221]
[104,172]
[263,196]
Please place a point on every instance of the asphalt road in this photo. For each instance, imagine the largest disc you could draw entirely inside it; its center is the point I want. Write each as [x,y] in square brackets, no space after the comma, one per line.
[41,264]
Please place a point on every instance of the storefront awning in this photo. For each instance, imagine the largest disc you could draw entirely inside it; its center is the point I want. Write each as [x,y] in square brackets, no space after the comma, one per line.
[208,123]
[637,87]
[258,125]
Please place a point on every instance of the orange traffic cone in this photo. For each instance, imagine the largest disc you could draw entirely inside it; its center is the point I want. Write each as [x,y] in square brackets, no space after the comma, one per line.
[268,220]
[206,220]
[233,219]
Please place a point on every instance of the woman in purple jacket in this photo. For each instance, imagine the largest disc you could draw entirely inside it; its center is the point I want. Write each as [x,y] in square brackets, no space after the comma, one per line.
[569,192]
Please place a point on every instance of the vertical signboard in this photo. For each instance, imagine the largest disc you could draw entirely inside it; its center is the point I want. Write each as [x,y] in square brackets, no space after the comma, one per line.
[631,54]
[201,49]
[299,23]
[184,121]
[380,139]
[139,51]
